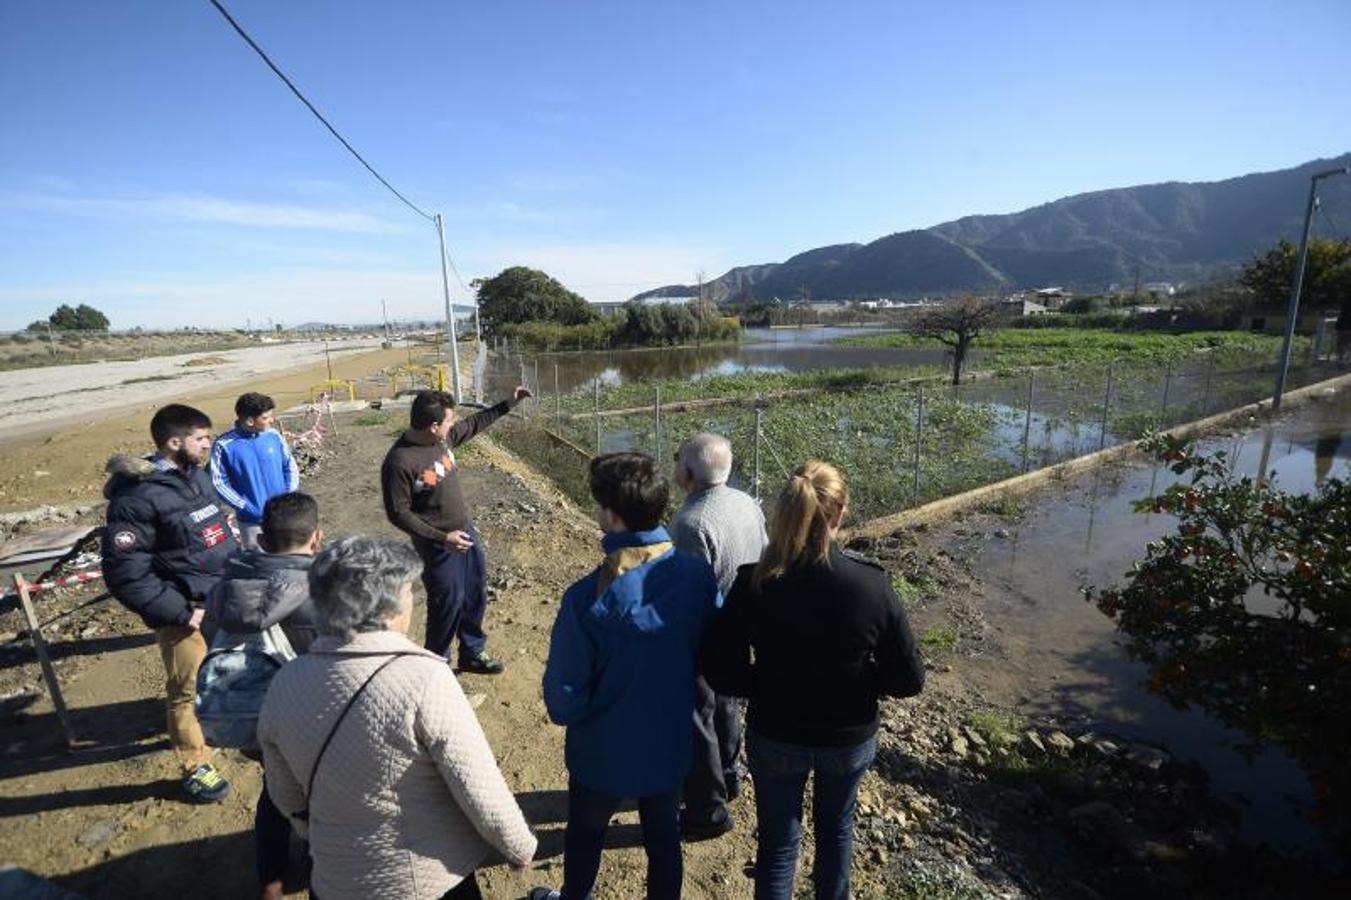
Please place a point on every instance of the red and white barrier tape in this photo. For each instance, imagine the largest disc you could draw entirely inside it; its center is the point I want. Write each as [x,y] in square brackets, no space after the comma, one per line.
[38,587]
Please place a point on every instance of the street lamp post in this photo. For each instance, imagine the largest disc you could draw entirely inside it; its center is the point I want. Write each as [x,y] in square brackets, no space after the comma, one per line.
[1293,313]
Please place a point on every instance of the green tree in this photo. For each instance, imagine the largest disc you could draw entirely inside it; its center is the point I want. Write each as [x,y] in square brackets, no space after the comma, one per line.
[1327,274]
[1245,612]
[521,294]
[67,318]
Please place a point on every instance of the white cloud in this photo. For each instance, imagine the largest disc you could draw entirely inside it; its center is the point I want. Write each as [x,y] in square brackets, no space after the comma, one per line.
[199,208]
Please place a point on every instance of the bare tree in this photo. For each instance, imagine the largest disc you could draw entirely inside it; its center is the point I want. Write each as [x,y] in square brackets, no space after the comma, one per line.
[957,323]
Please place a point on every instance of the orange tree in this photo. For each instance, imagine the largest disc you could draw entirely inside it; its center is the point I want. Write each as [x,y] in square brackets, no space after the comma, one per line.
[1245,612]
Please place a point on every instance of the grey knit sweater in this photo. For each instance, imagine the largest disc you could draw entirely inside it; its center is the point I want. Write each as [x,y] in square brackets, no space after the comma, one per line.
[724,526]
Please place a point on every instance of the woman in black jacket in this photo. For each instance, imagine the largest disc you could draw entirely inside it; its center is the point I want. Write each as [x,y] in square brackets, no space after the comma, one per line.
[812,636]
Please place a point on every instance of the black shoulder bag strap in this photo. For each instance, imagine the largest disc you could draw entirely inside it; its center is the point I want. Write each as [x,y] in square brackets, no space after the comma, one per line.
[304,814]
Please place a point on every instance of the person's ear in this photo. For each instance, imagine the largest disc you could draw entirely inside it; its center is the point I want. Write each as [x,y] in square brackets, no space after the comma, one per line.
[173,444]
[316,539]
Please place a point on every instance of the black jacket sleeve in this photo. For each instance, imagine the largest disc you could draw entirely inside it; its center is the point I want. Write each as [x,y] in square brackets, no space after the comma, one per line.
[725,658]
[465,429]
[397,489]
[900,667]
[129,567]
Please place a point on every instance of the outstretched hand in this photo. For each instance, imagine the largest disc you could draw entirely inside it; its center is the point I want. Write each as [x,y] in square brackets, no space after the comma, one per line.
[521,393]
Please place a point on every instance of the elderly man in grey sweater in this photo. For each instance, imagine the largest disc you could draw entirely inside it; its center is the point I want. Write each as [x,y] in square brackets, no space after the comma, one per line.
[727,528]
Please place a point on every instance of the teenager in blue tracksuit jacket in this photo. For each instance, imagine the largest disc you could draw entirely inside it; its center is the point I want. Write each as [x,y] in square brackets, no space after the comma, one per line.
[251,464]
[621,675]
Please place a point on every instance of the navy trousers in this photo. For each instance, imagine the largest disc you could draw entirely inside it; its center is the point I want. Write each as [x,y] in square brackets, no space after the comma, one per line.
[589,815]
[457,595]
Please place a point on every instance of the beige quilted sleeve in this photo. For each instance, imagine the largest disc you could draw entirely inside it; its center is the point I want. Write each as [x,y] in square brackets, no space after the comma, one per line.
[446,725]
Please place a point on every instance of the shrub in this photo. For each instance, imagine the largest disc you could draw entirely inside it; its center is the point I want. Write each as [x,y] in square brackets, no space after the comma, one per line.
[1272,664]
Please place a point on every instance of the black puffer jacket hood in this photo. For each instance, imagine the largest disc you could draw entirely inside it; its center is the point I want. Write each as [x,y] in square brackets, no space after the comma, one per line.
[167,540]
[124,471]
[259,590]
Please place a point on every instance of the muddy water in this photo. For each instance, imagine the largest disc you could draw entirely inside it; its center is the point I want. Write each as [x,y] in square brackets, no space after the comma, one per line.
[762,350]
[1063,656]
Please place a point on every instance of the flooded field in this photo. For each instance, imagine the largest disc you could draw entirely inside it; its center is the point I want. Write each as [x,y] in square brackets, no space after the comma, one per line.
[1060,655]
[762,350]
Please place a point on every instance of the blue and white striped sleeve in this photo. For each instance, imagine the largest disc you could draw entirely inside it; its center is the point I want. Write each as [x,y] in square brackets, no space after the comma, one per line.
[219,476]
[288,466]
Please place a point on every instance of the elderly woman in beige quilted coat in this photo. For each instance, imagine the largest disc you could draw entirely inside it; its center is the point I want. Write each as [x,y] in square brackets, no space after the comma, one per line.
[407,800]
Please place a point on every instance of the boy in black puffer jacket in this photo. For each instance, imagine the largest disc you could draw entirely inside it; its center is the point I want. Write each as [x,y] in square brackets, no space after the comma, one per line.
[166,543]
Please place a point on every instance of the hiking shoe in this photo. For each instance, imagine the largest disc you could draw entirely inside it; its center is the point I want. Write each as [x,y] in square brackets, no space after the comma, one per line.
[708,829]
[206,785]
[482,664]
[542,893]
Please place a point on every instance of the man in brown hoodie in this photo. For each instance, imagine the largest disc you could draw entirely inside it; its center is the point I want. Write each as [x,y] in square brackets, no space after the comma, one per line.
[419,480]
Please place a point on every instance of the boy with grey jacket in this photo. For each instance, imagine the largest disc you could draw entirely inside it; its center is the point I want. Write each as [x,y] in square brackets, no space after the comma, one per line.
[261,588]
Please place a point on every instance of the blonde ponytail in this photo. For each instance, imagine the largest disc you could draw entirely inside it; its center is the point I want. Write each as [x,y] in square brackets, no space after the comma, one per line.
[799,529]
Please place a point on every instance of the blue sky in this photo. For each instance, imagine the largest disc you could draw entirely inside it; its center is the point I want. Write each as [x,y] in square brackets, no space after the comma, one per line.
[152,166]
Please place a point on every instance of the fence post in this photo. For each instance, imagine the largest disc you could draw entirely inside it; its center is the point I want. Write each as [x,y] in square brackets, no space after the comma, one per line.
[597,415]
[1205,392]
[1106,407]
[759,431]
[919,438]
[1167,386]
[1027,423]
[558,400]
[656,421]
[1252,377]
[536,381]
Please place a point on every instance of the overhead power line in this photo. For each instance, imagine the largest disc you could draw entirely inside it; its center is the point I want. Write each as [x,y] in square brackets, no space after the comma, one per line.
[318,115]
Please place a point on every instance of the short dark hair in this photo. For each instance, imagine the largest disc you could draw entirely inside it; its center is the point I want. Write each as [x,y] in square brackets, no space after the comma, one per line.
[289,520]
[253,404]
[176,421]
[430,408]
[632,487]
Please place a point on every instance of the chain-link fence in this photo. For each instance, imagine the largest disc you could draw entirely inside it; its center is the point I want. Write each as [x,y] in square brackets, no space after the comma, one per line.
[899,443]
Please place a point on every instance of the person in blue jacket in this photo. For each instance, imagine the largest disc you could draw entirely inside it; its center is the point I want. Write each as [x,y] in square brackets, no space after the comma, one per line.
[621,674]
[251,464]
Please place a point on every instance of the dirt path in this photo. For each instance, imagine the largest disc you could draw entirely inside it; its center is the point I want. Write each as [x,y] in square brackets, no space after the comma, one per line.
[106,820]
[63,463]
[961,804]
[36,399]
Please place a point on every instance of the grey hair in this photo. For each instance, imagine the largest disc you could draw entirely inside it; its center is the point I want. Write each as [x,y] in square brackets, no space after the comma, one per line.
[356,583]
[708,457]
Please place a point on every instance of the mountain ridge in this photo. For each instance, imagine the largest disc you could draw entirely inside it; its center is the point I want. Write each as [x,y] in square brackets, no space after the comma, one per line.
[1171,230]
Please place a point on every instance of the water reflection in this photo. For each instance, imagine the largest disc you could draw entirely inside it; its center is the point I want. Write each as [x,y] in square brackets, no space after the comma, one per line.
[1063,651]
[763,350]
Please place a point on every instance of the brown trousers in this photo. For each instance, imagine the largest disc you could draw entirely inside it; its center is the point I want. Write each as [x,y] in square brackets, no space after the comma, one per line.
[182,650]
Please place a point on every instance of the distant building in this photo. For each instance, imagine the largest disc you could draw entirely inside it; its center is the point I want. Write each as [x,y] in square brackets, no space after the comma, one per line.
[1019,305]
[1159,289]
[609,308]
[1052,297]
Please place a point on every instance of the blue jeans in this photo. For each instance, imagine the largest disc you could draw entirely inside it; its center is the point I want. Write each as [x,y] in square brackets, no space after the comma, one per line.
[457,595]
[589,815]
[780,771]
